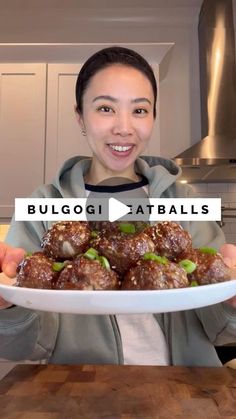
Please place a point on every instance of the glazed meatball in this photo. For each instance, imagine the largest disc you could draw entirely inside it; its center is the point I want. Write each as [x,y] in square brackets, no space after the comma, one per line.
[36,271]
[85,274]
[152,275]
[108,227]
[210,267]
[170,239]
[104,227]
[66,239]
[123,250]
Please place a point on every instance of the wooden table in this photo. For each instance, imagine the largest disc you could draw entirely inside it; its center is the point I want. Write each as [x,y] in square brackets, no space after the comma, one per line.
[64,391]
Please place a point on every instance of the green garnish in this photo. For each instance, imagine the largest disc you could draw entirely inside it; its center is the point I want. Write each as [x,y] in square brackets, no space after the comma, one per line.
[209,250]
[28,254]
[91,254]
[58,266]
[188,265]
[193,284]
[127,228]
[104,262]
[156,258]
[94,234]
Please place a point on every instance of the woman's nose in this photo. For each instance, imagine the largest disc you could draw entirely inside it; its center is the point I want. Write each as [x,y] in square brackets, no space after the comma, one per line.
[123,125]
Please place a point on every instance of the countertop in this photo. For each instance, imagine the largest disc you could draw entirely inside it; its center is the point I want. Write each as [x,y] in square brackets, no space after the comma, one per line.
[97,391]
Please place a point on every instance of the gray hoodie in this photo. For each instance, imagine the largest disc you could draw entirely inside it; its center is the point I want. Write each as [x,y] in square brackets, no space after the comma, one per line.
[68,338]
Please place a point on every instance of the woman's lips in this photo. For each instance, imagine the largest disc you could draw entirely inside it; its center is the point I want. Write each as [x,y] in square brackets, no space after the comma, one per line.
[121,150]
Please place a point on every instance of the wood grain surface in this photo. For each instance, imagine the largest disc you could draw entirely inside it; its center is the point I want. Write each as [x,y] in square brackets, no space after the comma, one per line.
[115,392]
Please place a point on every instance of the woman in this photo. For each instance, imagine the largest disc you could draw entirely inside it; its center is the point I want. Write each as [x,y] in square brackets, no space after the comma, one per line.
[116,98]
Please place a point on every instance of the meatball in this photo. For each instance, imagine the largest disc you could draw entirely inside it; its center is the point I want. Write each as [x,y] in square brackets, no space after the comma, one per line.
[170,239]
[86,274]
[123,250]
[66,239]
[152,275]
[104,227]
[36,271]
[108,227]
[210,269]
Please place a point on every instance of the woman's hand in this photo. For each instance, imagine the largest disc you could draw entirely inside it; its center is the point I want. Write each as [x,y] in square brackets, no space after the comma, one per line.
[228,252]
[10,257]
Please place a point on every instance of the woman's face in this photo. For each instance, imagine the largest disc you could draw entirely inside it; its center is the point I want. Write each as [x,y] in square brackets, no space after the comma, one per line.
[118,116]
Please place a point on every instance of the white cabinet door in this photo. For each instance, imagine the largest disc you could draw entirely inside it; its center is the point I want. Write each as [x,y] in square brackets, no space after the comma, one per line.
[64,139]
[22,131]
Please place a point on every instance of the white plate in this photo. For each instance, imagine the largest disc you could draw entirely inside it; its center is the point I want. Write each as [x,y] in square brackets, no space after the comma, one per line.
[116,302]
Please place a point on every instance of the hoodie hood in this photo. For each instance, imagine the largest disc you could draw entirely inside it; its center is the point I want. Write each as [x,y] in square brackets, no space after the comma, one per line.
[161,174]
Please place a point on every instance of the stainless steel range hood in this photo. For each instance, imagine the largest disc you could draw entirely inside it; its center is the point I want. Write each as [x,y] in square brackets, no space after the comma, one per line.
[214,157]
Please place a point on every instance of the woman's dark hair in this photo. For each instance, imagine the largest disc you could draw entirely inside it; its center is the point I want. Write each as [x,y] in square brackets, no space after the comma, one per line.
[107,57]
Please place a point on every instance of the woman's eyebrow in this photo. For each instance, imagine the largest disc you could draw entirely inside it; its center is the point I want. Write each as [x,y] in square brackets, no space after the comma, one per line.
[141,99]
[113,99]
[105,97]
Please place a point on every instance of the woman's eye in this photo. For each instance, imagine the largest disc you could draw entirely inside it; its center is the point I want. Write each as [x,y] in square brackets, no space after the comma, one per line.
[105,109]
[141,111]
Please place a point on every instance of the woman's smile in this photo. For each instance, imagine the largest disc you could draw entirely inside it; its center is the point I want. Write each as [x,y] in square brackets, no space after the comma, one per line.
[121,150]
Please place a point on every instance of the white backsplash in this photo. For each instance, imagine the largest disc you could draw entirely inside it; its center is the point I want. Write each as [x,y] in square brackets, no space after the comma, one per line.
[227,192]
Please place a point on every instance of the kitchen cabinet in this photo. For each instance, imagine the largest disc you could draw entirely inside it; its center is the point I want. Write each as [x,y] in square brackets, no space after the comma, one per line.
[38,127]
[63,134]
[22,131]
